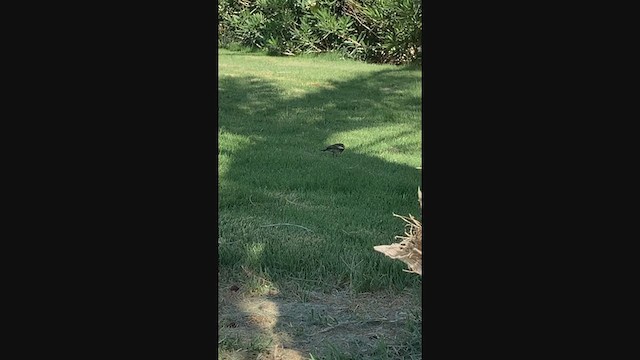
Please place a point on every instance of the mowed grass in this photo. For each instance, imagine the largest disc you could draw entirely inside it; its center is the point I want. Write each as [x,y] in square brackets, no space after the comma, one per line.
[275,115]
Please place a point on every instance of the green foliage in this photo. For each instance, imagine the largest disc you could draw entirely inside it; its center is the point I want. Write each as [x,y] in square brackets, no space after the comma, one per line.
[383,31]
[248,27]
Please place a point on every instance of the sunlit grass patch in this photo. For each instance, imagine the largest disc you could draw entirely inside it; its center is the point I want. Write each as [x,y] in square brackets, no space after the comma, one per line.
[287,210]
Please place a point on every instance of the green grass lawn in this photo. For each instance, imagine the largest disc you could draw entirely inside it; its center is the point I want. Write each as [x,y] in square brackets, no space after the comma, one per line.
[275,115]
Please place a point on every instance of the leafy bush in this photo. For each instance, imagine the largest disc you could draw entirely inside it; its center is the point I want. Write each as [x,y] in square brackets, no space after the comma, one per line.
[386,31]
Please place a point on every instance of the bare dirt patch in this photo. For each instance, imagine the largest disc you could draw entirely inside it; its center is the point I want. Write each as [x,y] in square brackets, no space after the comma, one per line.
[322,326]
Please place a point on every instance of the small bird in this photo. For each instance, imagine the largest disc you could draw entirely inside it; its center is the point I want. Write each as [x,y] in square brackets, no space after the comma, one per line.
[335,149]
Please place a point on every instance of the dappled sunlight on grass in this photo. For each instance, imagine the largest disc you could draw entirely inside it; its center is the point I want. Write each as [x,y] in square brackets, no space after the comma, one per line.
[397,143]
[297,226]
[254,252]
[232,143]
[276,114]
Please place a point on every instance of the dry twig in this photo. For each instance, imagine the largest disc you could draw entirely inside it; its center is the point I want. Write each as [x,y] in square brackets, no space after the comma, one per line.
[286,224]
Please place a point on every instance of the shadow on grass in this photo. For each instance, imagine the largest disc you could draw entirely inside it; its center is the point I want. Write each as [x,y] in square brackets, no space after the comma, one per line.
[319,191]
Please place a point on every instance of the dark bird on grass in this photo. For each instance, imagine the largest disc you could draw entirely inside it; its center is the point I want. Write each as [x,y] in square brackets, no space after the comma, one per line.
[335,149]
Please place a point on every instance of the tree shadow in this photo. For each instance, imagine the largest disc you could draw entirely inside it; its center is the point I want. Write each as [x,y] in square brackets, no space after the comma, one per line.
[262,111]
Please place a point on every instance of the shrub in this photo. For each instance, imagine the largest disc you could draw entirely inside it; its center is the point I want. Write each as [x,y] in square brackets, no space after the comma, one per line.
[386,31]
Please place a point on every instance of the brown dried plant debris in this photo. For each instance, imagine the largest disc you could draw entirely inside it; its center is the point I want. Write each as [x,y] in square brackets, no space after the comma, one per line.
[409,249]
